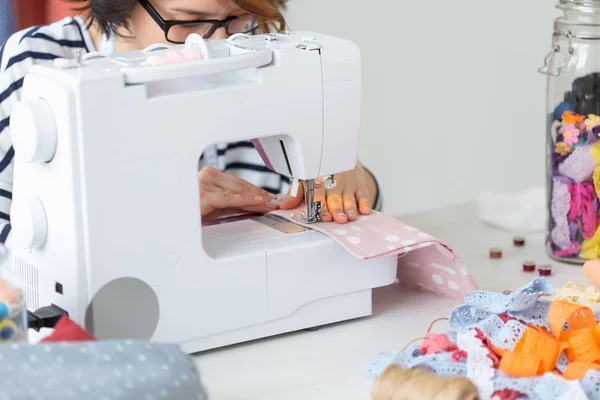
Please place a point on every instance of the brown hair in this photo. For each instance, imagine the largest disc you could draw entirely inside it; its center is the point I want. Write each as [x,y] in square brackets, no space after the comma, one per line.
[113,14]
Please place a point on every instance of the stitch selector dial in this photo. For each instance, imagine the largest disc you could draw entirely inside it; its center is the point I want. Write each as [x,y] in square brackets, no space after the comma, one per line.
[29,223]
[34,131]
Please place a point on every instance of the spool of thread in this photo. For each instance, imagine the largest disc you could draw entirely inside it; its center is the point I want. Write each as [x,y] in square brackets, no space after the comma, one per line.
[397,383]
[545,270]
[495,253]
[519,241]
[528,266]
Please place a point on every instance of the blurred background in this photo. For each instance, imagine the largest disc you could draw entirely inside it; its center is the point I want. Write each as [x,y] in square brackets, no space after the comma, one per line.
[21,14]
[453,102]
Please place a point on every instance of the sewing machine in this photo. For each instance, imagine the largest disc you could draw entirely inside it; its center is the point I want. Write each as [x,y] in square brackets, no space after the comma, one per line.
[106,212]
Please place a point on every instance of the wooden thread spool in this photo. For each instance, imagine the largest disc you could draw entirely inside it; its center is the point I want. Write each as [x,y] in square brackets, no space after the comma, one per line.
[397,383]
[495,253]
[519,241]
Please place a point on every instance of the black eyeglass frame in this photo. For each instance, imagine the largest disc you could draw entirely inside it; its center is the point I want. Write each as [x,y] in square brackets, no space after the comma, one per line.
[166,24]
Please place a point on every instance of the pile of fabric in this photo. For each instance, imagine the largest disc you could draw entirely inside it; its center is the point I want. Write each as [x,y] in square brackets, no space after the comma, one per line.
[526,344]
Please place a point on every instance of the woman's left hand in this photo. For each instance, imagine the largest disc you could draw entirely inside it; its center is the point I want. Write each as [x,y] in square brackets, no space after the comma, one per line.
[353,194]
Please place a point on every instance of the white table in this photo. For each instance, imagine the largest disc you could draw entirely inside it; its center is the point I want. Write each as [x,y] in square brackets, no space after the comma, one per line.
[329,363]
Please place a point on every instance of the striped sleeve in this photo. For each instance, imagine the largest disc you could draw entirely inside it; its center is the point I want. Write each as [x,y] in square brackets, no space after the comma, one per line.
[378,203]
[11,82]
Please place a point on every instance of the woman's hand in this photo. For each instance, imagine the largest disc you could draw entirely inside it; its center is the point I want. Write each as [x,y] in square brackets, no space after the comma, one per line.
[353,194]
[225,194]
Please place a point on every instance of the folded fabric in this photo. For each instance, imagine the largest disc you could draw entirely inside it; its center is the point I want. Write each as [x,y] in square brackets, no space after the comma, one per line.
[425,262]
[66,330]
[98,371]
[514,212]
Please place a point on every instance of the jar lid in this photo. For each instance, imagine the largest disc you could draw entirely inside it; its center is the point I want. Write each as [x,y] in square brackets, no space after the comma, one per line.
[588,7]
[579,3]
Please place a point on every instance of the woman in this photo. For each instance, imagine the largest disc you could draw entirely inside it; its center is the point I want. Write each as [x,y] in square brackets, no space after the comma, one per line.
[238,179]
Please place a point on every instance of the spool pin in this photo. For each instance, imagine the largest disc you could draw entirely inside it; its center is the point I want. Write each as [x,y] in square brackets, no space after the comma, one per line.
[545,270]
[495,253]
[519,241]
[528,266]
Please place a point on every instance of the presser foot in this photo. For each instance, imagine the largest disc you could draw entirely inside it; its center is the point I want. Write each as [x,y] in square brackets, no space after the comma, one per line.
[313,217]
[314,208]
[314,214]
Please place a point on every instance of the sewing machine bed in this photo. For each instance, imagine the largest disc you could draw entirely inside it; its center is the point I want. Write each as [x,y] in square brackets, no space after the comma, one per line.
[311,279]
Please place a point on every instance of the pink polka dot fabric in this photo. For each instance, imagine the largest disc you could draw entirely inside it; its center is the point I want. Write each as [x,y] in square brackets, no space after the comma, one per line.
[423,261]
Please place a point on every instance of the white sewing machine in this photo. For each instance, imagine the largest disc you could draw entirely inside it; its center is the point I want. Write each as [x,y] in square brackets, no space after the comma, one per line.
[106,213]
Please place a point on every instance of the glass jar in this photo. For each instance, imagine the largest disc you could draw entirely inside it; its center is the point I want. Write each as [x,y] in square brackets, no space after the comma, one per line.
[13,310]
[573,126]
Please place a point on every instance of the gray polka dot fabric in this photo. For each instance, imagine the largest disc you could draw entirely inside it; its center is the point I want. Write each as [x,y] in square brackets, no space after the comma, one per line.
[105,370]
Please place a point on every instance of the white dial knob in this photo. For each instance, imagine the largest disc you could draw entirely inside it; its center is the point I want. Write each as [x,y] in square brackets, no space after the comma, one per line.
[33,129]
[29,223]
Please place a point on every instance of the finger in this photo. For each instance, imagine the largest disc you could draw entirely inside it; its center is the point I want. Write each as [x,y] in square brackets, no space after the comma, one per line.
[291,202]
[220,213]
[336,206]
[349,199]
[225,212]
[320,196]
[235,184]
[364,204]
[211,201]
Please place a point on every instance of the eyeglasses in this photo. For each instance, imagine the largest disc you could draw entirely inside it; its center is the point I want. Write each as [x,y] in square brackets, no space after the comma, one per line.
[177,31]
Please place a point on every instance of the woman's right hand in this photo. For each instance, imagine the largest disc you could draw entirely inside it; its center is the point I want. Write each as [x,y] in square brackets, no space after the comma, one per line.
[224,194]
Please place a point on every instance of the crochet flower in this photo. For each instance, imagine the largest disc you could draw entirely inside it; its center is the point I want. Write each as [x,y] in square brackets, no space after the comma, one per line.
[563,149]
[592,121]
[570,117]
[570,134]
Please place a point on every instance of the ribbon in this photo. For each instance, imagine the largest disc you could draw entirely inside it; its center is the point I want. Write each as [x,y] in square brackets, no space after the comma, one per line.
[583,207]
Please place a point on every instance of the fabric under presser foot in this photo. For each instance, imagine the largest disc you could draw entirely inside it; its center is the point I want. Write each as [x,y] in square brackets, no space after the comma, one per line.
[424,261]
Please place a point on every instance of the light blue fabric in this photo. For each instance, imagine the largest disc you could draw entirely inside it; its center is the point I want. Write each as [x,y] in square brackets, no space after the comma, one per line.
[545,387]
[524,304]
[116,370]
[7,20]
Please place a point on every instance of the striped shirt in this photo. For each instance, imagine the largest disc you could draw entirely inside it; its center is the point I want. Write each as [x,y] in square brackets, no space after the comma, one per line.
[63,39]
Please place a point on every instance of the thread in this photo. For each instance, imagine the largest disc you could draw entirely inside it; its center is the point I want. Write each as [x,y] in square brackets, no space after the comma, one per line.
[435,322]
[408,344]
[397,383]
[421,338]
